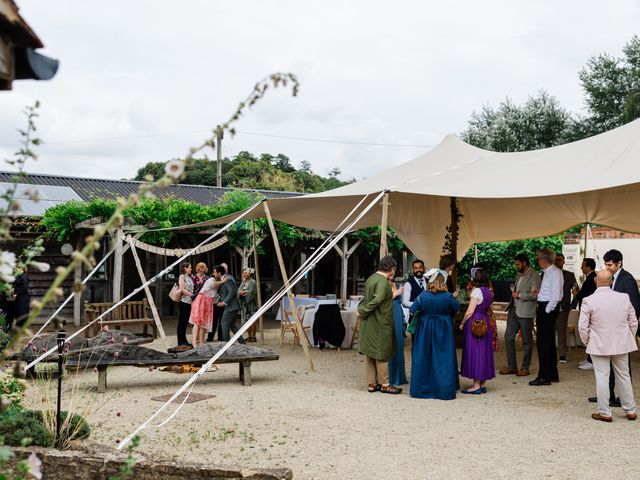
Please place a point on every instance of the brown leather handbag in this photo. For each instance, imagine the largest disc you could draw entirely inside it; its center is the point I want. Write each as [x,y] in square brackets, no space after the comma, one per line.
[479,327]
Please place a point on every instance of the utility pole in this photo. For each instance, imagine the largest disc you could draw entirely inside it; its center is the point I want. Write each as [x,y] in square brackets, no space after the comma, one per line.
[219,155]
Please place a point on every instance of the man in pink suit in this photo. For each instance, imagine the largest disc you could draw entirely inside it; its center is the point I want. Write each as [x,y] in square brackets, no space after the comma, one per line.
[607,327]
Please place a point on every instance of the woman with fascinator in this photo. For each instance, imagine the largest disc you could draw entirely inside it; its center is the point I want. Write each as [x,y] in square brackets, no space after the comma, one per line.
[434,367]
[247,293]
[477,356]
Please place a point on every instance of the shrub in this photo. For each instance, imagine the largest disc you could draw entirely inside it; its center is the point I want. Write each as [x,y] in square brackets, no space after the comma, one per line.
[12,388]
[16,426]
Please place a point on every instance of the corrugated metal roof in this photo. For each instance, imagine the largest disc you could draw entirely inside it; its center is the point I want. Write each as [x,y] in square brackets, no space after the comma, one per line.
[90,188]
[34,200]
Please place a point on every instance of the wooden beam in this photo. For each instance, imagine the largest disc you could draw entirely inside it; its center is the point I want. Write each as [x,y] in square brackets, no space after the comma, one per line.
[384,248]
[255,261]
[117,267]
[147,291]
[285,278]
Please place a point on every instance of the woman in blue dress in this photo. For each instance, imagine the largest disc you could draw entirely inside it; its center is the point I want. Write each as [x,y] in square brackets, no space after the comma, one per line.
[434,367]
[397,374]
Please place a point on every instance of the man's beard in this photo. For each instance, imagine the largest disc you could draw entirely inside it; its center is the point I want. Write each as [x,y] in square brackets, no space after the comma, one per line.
[418,274]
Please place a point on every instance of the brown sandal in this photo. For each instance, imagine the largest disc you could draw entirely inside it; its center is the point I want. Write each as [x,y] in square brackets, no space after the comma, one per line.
[390,389]
[373,387]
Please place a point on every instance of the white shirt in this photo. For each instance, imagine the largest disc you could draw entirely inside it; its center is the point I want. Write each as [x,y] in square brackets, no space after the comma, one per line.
[551,287]
[477,293]
[406,293]
[209,288]
[615,277]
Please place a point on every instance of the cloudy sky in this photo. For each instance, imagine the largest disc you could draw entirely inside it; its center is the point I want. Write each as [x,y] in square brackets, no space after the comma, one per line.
[143,81]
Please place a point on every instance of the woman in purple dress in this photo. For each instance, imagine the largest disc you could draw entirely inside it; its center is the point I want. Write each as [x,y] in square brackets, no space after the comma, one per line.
[477,357]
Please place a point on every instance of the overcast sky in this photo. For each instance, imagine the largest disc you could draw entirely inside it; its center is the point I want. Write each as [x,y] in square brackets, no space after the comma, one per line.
[143,81]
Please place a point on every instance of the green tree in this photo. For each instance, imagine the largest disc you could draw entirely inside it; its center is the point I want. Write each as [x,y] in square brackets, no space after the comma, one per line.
[540,123]
[498,256]
[612,86]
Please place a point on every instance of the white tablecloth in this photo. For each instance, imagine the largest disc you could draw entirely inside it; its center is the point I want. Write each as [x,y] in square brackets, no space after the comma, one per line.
[349,318]
[306,301]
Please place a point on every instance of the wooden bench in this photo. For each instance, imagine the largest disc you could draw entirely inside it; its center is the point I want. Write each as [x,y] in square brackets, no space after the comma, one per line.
[102,357]
[126,314]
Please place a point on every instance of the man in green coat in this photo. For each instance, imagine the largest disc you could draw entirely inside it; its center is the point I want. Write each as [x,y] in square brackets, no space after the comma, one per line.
[376,325]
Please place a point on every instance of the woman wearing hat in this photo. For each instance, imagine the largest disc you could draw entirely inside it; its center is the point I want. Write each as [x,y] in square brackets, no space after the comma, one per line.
[434,372]
[247,296]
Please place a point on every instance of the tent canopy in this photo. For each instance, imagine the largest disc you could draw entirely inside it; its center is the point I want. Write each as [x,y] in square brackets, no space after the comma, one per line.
[502,196]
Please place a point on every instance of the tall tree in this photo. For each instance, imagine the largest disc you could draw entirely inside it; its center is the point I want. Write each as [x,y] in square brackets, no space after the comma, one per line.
[540,123]
[612,88]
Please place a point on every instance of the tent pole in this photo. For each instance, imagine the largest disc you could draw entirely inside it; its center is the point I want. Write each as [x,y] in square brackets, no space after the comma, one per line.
[285,278]
[255,262]
[384,249]
[454,235]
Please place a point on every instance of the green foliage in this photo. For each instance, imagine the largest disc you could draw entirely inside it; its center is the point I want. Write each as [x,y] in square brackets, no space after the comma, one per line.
[370,238]
[58,222]
[12,388]
[540,123]
[127,469]
[498,256]
[17,425]
[611,86]
[245,170]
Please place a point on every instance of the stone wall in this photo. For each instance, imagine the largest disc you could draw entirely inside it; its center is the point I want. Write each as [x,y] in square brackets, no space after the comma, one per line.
[95,462]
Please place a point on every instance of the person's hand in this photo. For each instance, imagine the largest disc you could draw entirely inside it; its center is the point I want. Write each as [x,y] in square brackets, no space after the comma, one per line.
[462,325]
[535,291]
[455,294]
[515,294]
[221,304]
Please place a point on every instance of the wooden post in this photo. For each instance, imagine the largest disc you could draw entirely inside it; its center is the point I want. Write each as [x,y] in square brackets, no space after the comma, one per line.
[384,249]
[255,261]
[345,253]
[285,278]
[77,297]
[586,236]
[117,267]
[147,291]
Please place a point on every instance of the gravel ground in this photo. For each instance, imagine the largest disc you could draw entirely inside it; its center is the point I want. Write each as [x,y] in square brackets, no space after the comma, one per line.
[324,425]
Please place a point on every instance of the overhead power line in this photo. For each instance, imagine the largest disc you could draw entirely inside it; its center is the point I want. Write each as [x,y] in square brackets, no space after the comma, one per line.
[239,132]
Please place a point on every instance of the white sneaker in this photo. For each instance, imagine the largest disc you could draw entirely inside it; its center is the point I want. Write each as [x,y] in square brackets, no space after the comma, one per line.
[586,366]
[562,360]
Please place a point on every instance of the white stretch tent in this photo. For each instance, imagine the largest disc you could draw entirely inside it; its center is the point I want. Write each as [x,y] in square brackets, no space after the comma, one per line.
[502,196]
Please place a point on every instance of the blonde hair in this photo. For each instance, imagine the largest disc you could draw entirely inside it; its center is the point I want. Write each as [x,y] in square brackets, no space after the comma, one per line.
[201,267]
[438,285]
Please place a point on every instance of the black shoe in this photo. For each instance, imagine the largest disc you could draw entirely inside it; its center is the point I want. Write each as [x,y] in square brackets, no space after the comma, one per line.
[539,381]
[612,403]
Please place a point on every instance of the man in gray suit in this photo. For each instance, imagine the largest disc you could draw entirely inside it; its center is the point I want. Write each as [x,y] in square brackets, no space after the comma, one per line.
[229,300]
[521,311]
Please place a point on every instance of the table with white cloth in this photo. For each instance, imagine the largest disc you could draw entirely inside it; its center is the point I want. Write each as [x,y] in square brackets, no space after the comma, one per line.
[349,317]
[574,317]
